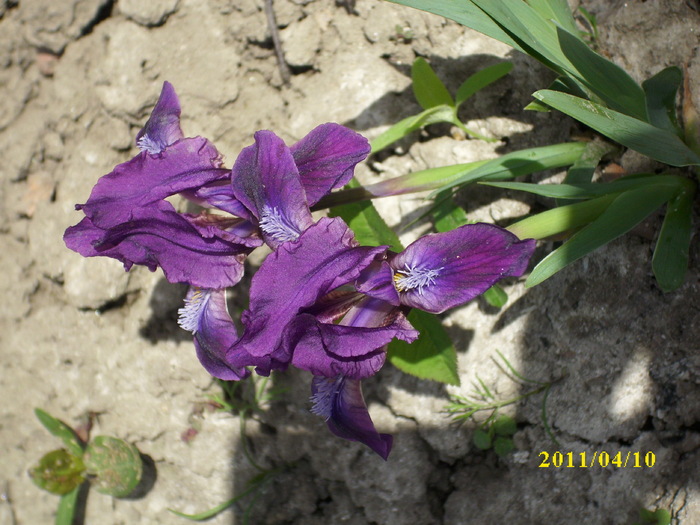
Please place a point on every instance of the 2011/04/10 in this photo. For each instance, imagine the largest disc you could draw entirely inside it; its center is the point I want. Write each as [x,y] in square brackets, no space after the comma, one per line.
[601,459]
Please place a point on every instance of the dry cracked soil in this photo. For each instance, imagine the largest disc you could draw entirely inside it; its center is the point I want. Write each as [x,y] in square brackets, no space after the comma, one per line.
[81,336]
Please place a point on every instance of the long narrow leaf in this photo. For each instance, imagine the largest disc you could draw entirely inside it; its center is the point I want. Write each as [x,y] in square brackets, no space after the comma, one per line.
[411,124]
[561,219]
[670,260]
[67,506]
[661,92]
[623,214]
[654,142]
[427,87]
[522,162]
[481,79]
[604,78]
[594,189]
[62,431]
[557,10]
[584,168]
[465,13]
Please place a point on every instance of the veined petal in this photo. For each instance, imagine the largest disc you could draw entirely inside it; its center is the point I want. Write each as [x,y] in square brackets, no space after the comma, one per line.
[354,348]
[339,400]
[163,126]
[265,180]
[326,158]
[159,236]
[293,278]
[205,315]
[443,270]
[218,194]
[145,179]
[377,280]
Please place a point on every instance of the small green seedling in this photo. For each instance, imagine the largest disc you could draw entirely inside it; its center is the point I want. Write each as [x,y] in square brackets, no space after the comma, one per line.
[437,103]
[498,430]
[497,433]
[109,464]
[656,517]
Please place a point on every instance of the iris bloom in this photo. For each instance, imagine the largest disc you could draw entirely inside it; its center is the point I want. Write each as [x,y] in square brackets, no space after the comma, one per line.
[436,272]
[127,217]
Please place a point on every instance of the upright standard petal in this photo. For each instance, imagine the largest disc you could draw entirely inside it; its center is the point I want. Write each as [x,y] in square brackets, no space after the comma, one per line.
[205,315]
[326,158]
[145,180]
[339,400]
[443,270]
[291,279]
[163,126]
[185,247]
[266,181]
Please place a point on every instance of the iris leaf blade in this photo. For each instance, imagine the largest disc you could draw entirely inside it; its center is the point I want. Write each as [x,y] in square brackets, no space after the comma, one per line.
[670,260]
[481,79]
[431,356]
[661,90]
[624,213]
[633,133]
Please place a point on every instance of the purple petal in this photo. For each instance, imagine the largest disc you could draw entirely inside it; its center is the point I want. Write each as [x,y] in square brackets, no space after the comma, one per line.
[147,179]
[218,194]
[355,348]
[205,315]
[340,401]
[163,126]
[293,278]
[326,158]
[377,280]
[266,181]
[186,250]
[443,270]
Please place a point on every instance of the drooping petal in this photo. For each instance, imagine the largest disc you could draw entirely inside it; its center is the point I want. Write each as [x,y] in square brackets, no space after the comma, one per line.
[265,180]
[205,315]
[146,179]
[186,250]
[355,348]
[293,278]
[326,158]
[443,270]
[163,126]
[339,400]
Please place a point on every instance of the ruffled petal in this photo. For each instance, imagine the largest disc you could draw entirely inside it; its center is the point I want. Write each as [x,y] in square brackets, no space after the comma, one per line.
[294,278]
[326,158]
[205,315]
[266,181]
[339,400]
[355,348]
[443,270]
[146,179]
[163,126]
[158,236]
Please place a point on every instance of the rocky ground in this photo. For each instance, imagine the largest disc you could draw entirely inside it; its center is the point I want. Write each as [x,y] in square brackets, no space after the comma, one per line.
[78,79]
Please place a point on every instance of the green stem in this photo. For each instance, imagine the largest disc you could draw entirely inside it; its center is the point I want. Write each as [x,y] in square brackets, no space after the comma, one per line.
[67,506]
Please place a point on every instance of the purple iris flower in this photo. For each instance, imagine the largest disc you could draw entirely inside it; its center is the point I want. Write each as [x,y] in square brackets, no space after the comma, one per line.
[127,217]
[434,273]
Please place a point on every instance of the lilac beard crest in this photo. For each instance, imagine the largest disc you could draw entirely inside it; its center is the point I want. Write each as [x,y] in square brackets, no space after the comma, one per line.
[149,145]
[274,224]
[323,399]
[413,277]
